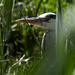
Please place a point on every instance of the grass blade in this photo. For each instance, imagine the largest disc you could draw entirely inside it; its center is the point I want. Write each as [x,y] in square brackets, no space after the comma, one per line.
[60,40]
[7,15]
[1,49]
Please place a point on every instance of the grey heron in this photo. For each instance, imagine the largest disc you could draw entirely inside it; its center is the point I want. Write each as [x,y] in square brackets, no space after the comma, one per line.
[47,21]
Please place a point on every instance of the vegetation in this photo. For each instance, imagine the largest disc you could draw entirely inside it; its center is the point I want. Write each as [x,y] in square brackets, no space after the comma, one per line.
[20,43]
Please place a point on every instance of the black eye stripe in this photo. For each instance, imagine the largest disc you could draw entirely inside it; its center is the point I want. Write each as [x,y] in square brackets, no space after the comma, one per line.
[51,16]
[46,19]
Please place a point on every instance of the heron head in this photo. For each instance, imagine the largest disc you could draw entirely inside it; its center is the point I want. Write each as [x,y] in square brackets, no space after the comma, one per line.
[46,20]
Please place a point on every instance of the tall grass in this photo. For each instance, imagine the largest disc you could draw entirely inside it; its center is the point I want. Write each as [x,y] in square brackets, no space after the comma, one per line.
[65,39]
[7,16]
[64,63]
[61,38]
[6,10]
[70,28]
[1,50]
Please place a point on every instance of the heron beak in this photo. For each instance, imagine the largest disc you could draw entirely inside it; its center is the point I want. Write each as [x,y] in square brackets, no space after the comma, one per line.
[32,21]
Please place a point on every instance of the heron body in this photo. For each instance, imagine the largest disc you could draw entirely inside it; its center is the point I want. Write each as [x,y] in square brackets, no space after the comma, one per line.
[47,21]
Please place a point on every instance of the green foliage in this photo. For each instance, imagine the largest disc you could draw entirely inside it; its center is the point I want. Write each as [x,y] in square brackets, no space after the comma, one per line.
[70,1]
[21,43]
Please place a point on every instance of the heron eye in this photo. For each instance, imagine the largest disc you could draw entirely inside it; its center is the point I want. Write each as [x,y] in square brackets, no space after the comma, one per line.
[46,19]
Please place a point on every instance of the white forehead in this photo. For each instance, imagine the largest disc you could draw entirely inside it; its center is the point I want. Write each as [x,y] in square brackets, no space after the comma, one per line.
[45,14]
